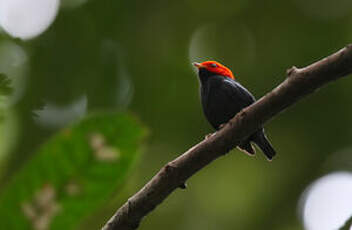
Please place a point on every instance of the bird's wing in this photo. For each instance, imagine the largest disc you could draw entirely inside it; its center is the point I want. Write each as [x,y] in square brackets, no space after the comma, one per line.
[238,93]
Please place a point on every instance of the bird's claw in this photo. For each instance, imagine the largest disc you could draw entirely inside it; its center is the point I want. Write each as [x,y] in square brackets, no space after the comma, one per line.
[208,136]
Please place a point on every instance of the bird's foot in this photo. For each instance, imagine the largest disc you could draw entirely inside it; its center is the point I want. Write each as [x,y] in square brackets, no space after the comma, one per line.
[222,126]
[208,136]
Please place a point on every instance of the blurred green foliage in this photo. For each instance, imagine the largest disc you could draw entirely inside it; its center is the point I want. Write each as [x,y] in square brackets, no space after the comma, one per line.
[5,91]
[6,120]
[73,174]
[136,55]
[5,88]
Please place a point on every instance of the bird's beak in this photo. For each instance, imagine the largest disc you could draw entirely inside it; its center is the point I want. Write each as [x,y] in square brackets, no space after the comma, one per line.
[198,65]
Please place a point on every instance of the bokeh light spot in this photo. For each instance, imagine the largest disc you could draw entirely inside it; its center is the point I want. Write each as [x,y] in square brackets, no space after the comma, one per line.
[54,116]
[327,203]
[27,19]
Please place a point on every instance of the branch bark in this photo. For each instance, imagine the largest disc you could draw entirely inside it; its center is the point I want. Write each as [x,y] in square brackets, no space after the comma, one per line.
[299,83]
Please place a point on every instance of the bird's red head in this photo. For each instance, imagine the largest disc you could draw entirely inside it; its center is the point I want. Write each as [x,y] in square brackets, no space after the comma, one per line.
[215,67]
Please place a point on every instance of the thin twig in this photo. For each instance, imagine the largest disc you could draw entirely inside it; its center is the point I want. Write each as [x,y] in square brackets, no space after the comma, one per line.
[299,83]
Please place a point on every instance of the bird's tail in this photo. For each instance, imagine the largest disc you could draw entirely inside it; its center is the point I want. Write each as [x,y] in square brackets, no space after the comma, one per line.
[263,143]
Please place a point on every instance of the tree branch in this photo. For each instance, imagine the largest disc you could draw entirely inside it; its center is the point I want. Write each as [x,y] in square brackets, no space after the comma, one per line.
[299,83]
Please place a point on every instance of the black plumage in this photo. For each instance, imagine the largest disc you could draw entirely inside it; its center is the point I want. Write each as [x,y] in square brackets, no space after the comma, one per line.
[222,98]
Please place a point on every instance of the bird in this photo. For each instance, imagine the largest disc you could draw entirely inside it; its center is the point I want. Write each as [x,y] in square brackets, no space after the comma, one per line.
[222,97]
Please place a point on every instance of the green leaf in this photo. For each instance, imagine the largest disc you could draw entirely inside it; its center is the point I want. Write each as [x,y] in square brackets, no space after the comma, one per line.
[73,174]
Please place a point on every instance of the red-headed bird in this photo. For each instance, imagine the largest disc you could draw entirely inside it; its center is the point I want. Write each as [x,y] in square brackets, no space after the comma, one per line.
[223,97]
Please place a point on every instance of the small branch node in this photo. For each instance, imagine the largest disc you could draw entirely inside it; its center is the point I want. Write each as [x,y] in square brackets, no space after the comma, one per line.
[169,167]
[208,136]
[243,113]
[291,71]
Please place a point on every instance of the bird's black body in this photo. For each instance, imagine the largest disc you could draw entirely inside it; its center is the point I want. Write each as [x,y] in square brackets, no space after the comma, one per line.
[222,98]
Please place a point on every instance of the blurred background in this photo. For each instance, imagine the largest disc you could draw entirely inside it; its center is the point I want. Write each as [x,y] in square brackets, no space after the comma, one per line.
[83,82]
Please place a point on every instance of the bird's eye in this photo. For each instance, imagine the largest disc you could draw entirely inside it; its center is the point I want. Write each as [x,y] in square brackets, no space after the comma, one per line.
[213,65]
